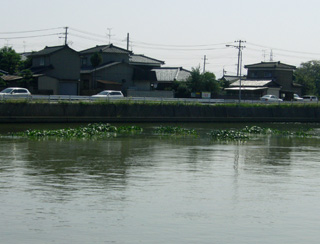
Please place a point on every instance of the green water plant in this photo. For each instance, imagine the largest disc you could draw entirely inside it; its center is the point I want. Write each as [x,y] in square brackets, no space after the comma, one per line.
[94,130]
[174,130]
[228,135]
[248,131]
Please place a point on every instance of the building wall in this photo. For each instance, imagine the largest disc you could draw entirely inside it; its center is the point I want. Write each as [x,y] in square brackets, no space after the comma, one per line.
[273,91]
[46,83]
[142,85]
[121,73]
[284,78]
[66,64]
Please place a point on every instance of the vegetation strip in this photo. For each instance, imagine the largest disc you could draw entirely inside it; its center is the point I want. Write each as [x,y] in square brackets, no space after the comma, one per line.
[174,130]
[89,131]
[101,130]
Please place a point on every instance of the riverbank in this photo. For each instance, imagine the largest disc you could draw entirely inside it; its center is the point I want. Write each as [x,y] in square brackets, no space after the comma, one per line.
[26,112]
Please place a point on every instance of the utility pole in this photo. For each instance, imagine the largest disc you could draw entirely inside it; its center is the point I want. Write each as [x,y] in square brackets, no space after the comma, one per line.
[204,63]
[128,40]
[66,36]
[239,68]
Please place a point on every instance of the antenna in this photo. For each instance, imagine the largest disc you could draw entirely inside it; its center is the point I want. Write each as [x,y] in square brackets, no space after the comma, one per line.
[264,55]
[109,35]
[271,55]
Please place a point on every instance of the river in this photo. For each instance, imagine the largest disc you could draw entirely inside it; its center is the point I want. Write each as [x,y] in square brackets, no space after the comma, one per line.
[160,189]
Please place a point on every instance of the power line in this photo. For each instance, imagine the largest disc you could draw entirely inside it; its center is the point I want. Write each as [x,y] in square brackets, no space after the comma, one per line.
[20,32]
[22,37]
[177,45]
[284,50]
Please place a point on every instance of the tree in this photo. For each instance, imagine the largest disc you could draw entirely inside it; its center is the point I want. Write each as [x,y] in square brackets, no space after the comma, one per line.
[197,82]
[96,60]
[9,60]
[308,75]
[27,77]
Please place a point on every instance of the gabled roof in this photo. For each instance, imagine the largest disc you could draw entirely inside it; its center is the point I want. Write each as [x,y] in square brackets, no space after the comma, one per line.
[104,66]
[11,77]
[232,78]
[270,65]
[254,83]
[140,59]
[169,74]
[50,50]
[105,49]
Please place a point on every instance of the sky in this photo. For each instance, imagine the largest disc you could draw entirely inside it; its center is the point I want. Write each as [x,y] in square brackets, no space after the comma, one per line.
[182,33]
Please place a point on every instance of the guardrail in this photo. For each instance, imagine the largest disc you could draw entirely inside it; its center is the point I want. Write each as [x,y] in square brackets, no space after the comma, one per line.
[73,98]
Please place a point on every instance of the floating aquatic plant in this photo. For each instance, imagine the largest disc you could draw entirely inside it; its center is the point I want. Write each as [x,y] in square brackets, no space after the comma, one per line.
[88,131]
[246,132]
[228,135]
[174,130]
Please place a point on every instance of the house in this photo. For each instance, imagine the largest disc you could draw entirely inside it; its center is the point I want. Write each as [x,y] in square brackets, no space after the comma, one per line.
[58,70]
[165,76]
[143,76]
[114,72]
[253,89]
[263,78]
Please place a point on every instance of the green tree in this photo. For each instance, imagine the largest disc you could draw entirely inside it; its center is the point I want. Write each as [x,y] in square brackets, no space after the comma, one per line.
[194,81]
[181,89]
[9,60]
[197,82]
[27,77]
[96,60]
[308,75]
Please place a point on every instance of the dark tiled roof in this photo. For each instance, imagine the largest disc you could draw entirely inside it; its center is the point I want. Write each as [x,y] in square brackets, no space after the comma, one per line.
[106,49]
[49,50]
[232,78]
[41,69]
[140,59]
[270,65]
[90,69]
[171,74]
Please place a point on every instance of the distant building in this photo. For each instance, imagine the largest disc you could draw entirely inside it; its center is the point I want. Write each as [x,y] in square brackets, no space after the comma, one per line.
[58,70]
[264,78]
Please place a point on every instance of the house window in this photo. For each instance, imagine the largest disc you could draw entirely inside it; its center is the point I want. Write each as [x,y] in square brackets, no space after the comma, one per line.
[42,61]
[253,74]
[84,61]
[267,74]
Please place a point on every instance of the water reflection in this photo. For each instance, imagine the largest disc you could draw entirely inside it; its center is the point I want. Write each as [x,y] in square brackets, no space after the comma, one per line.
[178,189]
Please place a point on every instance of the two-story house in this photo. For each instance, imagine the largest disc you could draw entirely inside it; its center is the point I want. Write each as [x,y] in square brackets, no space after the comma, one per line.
[113,72]
[263,78]
[58,70]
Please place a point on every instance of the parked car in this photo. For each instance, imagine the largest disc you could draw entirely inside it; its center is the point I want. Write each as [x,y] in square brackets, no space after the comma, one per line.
[310,98]
[108,93]
[297,98]
[17,92]
[270,98]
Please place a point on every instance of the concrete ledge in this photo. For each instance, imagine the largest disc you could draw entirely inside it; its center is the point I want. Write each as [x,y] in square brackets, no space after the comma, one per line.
[74,112]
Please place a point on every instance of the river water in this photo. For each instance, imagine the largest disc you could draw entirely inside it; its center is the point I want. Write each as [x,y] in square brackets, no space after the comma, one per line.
[160,189]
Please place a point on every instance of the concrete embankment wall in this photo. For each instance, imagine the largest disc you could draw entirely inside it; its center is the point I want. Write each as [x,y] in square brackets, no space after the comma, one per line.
[78,112]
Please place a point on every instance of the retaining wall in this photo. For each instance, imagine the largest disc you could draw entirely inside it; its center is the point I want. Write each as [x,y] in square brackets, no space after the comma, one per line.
[77,112]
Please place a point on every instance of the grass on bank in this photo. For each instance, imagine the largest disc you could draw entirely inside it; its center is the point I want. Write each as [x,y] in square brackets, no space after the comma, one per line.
[158,102]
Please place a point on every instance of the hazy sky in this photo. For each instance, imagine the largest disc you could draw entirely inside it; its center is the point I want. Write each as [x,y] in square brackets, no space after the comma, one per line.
[179,32]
